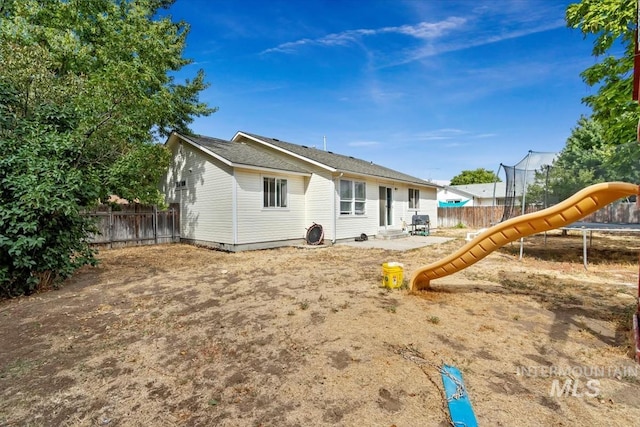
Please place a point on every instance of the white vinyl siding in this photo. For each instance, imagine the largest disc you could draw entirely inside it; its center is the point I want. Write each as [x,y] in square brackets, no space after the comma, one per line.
[350,226]
[428,205]
[259,224]
[321,202]
[228,205]
[204,194]
[319,194]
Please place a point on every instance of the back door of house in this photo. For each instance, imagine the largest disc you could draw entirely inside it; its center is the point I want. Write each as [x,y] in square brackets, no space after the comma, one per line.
[385,201]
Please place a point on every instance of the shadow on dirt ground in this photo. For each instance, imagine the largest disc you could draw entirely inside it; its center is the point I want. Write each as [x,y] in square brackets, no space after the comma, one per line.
[180,335]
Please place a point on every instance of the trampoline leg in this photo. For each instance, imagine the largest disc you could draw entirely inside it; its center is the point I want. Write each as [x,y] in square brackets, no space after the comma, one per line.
[584,248]
[521,247]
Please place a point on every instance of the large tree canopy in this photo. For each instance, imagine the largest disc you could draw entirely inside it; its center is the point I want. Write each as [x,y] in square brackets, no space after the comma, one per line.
[110,61]
[581,163]
[602,147]
[476,176]
[85,86]
[612,25]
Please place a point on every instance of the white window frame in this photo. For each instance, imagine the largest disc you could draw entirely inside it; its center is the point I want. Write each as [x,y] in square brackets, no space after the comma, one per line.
[274,192]
[352,203]
[414,202]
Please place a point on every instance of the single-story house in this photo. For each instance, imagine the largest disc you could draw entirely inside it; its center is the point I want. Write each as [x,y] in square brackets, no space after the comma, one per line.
[474,195]
[256,192]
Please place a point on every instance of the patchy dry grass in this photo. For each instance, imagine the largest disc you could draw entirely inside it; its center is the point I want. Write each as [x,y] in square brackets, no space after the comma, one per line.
[179,335]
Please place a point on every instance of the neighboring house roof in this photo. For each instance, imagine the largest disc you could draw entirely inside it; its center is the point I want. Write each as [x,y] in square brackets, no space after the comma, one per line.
[484,191]
[456,191]
[240,154]
[336,162]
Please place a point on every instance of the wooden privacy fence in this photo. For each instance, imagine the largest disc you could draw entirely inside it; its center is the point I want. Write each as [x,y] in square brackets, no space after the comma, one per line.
[132,225]
[485,216]
[469,216]
[621,213]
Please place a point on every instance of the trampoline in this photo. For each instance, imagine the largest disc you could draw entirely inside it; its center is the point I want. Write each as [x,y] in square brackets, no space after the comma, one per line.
[590,227]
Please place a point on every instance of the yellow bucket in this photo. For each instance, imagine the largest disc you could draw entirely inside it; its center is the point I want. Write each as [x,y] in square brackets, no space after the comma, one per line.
[392,275]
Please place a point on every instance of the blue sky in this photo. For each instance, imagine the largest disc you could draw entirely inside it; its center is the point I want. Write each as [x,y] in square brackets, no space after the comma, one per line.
[427,87]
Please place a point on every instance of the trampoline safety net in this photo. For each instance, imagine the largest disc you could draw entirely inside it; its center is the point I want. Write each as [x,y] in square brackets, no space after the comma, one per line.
[534,166]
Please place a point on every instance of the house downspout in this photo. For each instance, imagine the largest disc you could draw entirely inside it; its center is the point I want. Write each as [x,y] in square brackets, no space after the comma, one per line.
[335,214]
[234,207]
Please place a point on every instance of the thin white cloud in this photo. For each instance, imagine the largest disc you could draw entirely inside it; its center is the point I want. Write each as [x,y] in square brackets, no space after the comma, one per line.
[427,30]
[461,33]
[453,45]
[363,143]
[422,31]
[440,134]
[434,138]
[450,137]
[455,144]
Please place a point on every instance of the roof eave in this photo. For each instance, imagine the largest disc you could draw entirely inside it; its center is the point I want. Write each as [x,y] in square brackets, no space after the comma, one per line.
[271,170]
[233,164]
[460,192]
[406,181]
[204,149]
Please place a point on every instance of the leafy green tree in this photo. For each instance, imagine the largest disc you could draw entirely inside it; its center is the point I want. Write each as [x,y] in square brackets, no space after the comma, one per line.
[476,176]
[612,25]
[539,193]
[42,231]
[85,88]
[603,146]
[583,161]
[586,159]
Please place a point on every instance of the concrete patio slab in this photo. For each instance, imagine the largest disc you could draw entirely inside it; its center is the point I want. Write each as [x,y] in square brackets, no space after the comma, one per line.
[402,244]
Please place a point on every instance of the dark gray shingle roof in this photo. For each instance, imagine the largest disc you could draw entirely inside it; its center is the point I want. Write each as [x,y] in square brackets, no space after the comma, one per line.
[242,154]
[340,162]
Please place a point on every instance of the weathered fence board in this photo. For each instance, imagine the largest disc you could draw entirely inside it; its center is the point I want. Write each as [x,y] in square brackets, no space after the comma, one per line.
[469,216]
[621,213]
[132,225]
[485,216]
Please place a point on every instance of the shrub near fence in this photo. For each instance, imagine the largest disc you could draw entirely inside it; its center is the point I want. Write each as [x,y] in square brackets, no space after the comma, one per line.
[132,225]
[485,216]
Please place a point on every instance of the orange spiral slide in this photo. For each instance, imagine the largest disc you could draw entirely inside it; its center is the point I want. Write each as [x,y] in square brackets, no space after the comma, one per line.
[570,210]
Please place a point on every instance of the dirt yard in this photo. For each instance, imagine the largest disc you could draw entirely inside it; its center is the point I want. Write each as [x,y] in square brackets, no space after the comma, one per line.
[179,335]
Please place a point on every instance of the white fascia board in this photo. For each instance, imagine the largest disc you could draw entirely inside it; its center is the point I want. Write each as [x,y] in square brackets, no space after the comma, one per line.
[205,150]
[389,181]
[282,150]
[431,186]
[263,169]
[385,180]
